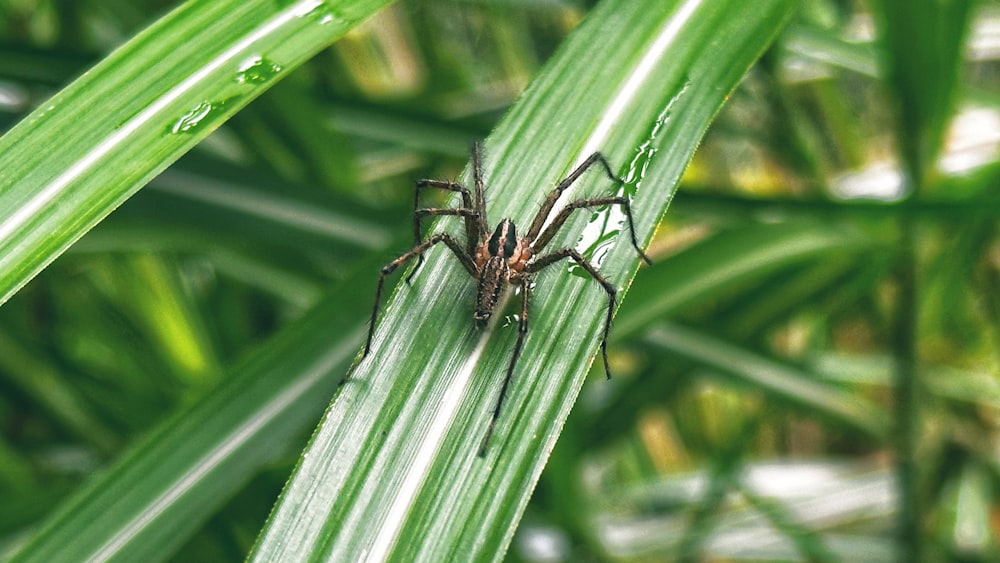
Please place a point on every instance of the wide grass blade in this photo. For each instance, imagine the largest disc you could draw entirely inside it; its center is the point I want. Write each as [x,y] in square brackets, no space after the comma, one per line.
[392,472]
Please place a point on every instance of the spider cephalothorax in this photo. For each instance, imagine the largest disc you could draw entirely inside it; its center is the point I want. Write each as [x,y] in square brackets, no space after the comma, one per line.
[502,258]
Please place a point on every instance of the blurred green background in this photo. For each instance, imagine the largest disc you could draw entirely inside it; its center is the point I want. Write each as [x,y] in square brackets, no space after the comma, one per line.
[809,374]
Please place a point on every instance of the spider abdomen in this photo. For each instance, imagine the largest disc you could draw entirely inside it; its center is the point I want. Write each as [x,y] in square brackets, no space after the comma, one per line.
[493,278]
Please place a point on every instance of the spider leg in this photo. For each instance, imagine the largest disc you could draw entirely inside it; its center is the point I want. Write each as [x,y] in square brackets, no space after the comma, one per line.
[458,211]
[418,250]
[480,201]
[546,236]
[425,211]
[555,256]
[522,330]
[471,228]
[550,201]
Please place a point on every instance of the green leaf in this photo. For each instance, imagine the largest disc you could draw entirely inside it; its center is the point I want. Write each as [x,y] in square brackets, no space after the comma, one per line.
[923,51]
[115,128]
[392,472]
[92,145]
[151,500]
[776,378]
[727,258]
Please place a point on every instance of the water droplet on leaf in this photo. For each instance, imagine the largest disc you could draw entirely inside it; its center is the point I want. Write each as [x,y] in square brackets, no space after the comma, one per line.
[257,69]
[192,119]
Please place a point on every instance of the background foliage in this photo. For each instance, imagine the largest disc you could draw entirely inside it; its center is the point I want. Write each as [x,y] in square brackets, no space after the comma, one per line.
[809,372]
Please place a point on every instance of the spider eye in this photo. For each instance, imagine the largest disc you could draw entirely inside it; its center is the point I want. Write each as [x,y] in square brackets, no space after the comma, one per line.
[508,235]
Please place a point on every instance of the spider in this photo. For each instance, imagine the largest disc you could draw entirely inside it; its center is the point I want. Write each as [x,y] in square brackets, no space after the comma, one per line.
[503,258]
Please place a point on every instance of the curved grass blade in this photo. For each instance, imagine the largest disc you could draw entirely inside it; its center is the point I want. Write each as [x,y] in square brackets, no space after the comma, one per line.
[92,145]
[707,267]
[774,377]
[392,472]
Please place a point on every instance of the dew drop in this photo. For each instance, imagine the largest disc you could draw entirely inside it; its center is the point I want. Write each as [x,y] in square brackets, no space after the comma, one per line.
[257,69]
[322,13]
[330,17]
[192,119]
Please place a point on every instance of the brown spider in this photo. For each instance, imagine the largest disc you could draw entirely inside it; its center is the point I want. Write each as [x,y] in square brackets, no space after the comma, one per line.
[504,258]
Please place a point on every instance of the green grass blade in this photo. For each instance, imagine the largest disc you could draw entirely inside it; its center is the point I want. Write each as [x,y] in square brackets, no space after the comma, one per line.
[86,150]
[392,471]
[149,503]
[923,44]
[923,55]
[781,380]
[725,259]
